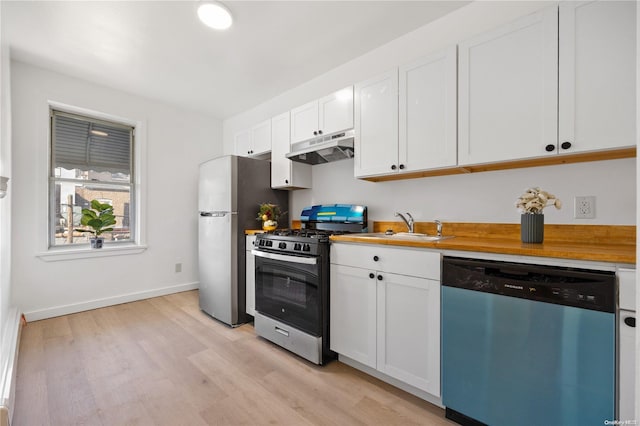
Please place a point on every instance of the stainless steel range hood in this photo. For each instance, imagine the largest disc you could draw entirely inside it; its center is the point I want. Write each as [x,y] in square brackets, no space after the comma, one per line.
[324,149]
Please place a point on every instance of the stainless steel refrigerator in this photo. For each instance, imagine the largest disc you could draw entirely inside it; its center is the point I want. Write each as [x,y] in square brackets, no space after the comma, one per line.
[230,192]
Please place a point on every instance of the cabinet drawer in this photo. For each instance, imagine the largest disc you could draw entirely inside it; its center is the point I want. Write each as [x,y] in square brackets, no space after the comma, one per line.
[403,261]
[627,289]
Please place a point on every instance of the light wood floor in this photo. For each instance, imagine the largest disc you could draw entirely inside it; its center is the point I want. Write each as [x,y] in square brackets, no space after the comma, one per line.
[162,361]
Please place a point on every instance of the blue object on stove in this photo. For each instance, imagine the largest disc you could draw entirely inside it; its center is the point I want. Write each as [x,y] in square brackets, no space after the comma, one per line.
[324,215]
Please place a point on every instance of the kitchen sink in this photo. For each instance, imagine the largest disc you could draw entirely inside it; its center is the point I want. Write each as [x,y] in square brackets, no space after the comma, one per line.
[406,236]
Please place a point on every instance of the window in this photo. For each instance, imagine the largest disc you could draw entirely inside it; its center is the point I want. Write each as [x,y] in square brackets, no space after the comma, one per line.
[90,159]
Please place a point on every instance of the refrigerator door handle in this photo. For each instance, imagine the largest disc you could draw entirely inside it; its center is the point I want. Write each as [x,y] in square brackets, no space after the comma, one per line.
[285,258]
[216,214]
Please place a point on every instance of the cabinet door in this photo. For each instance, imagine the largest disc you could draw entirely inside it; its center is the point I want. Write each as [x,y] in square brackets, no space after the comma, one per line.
[597,75]
[508,91]
[280,147]
[409,330]
[261,138]
[250,280]
[304,121]
[352,317]
[428,112]
[376,125]
[284,172]
[336,111]
[242,141]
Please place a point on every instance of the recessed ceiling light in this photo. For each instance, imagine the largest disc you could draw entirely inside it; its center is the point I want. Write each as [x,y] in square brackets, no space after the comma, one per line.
[215,15]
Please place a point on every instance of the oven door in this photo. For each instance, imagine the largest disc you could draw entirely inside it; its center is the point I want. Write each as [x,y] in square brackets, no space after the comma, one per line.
[287,289]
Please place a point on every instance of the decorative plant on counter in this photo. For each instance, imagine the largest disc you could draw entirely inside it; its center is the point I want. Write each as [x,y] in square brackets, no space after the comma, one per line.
[100,219]
[534,200]
[531,204]
[269,215]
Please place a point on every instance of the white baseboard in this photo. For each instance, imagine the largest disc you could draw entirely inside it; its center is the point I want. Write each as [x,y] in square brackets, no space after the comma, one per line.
[57,311]
[8,365]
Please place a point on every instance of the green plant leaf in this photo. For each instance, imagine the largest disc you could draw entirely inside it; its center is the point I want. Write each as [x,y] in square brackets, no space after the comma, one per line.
[85,230]
[89,213]
[95,224]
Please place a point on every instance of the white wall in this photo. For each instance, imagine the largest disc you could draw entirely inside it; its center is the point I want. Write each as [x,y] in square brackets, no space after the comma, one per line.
[176,142]
[5,203]
[481,197]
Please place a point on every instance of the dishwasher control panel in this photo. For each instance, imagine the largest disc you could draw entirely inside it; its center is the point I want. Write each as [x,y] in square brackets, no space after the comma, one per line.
[581,288]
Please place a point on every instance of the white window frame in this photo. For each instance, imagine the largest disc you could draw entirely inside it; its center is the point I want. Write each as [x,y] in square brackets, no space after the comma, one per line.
[138,241]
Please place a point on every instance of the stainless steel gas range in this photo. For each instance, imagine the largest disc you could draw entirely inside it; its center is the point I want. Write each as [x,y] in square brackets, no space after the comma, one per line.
[292,279]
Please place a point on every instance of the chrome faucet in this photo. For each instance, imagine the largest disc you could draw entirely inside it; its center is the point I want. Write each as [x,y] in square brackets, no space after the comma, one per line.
[438,227]
[408,222]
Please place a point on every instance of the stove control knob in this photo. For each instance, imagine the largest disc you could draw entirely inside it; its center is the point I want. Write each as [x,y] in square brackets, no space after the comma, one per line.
[297,246]
[306,247]
[282,245]
[269,243]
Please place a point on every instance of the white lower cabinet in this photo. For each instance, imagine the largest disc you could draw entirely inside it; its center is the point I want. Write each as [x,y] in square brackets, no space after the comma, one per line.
[627,394]
[409,330]
[250,280]
[383,318]
[352,320]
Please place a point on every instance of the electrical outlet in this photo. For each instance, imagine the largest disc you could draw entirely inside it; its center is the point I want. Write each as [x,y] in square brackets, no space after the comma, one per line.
[178,267]
[585,207]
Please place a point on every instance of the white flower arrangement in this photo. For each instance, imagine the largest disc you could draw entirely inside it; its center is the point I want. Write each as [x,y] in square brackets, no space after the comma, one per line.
[534,200]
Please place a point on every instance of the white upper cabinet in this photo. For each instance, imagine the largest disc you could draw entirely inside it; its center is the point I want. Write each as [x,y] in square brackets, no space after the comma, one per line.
[284,172]
[335,112]
[261,138]
[376,125]
[242,141]
[254,141]
[508,91]
[406,118]
[597,75]
[304,122]
[330,114]
[549,84]
[428,112]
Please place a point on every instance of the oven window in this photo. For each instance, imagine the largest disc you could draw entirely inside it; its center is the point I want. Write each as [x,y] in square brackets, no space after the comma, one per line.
[289,293]
[290,288]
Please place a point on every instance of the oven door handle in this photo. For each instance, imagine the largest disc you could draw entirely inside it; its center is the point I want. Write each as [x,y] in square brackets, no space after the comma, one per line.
[285,258]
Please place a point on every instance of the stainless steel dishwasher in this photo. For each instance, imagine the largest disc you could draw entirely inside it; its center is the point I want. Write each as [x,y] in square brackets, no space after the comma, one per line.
[527,344]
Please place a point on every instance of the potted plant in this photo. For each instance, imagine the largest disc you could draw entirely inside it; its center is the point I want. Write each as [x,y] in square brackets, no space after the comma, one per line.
[269,215]
[531,204]
[100,219]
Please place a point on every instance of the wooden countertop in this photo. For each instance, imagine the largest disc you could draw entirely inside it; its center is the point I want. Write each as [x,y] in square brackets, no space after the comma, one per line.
[253,231]
[605,243]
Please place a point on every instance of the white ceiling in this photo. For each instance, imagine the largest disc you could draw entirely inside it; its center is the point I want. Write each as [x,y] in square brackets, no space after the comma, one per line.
[159,50]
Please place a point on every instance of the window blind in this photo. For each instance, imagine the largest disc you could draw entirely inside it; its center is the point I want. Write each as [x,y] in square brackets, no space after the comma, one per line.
[84,144]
